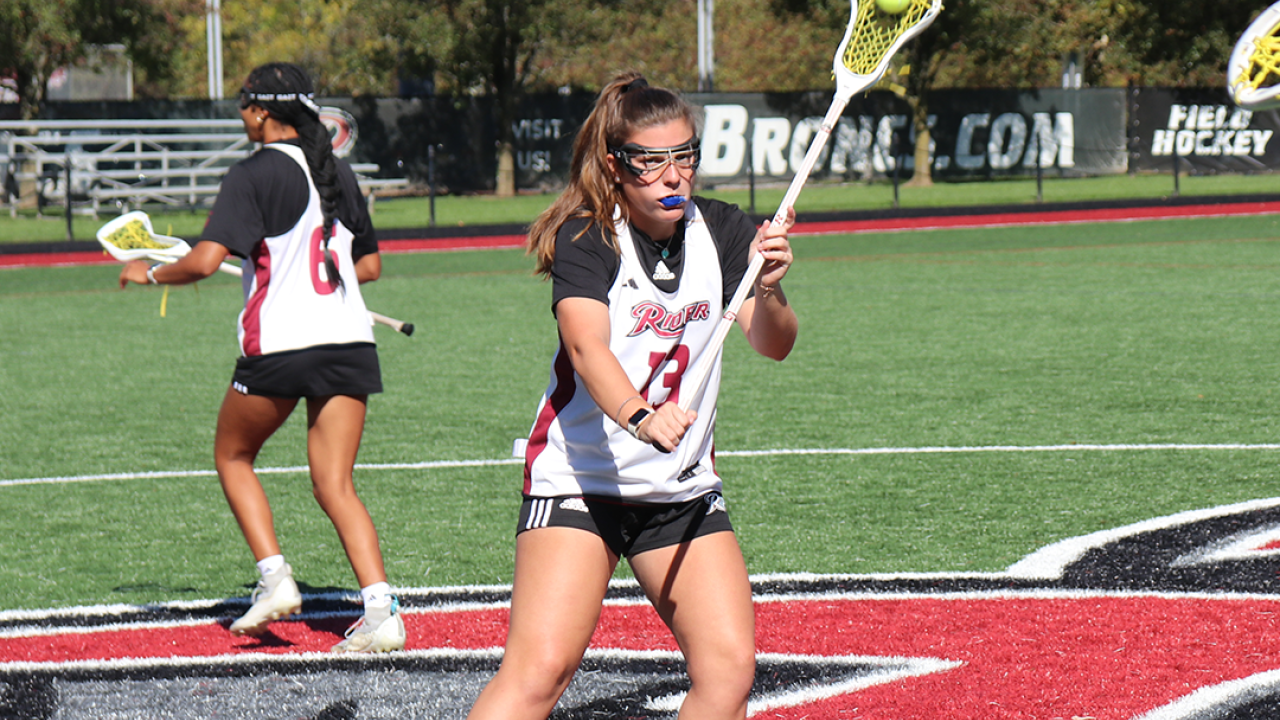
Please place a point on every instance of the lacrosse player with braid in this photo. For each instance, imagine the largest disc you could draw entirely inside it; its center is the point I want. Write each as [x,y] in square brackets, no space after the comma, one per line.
[295,215]
[641,272]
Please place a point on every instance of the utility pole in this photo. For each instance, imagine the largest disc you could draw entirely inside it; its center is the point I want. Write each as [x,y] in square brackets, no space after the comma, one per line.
[706,46]
[213,38]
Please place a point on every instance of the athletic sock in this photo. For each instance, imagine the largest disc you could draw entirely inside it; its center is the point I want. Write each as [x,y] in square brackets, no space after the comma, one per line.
[376,595]
[268,565]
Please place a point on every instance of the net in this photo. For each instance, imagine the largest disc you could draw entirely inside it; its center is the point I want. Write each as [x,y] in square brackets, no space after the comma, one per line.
[134,235]
[1264,62]
[875,32]
[131,237]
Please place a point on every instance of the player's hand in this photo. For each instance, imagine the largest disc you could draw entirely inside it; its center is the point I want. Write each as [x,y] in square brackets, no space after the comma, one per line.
[772,242]
[666,426]
[134,271]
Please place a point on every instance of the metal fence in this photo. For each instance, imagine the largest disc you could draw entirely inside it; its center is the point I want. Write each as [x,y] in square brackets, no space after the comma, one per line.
[91,166]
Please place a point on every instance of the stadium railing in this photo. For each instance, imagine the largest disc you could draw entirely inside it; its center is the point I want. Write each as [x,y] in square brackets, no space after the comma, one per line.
[126,164]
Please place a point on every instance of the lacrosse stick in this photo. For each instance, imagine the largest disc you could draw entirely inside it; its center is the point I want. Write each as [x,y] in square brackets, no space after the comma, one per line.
[130,237]
[869,44]
[1253,72]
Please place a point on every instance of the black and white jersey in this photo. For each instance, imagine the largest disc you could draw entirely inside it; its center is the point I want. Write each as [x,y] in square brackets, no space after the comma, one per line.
[265,194]
[657,335]
[585,265]
[290,302]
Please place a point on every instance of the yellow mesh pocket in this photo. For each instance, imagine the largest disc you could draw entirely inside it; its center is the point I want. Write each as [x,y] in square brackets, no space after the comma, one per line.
[875,32]
[133,235]
[1264,62]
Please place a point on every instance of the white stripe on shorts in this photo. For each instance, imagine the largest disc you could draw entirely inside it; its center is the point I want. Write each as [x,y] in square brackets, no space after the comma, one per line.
[539,513]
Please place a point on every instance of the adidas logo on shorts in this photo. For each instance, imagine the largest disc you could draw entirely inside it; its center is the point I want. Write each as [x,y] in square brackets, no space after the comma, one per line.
[574,504]
[715,503]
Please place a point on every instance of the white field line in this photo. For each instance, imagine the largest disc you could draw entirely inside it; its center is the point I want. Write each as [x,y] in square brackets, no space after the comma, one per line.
[1031,221]
[447,464]
[1218,700]
[37,625]
[261,471]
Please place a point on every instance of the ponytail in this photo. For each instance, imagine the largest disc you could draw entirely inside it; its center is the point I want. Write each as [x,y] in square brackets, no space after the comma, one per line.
[286,92]
[627,105]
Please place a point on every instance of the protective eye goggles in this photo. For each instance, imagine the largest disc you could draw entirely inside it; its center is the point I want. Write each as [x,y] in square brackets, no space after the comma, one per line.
[641,161]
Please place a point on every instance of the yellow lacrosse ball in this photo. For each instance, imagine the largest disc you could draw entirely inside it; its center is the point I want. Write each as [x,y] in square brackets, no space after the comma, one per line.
[893,7]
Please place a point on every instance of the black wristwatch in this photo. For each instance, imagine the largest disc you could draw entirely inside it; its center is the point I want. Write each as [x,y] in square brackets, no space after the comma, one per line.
[633,424]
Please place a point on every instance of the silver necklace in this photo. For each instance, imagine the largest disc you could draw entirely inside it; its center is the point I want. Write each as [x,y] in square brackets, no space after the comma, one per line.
[666,248]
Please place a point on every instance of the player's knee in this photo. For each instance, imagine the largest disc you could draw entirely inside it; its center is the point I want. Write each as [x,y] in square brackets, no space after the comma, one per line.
[541,678]
[227,461]
[726,679]
[338,493]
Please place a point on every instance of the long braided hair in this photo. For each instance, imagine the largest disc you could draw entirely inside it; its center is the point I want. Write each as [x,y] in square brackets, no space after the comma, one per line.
[286,92]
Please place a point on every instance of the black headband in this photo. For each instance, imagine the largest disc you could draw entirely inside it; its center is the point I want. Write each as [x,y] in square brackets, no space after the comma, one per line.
[307,99]
[637,83]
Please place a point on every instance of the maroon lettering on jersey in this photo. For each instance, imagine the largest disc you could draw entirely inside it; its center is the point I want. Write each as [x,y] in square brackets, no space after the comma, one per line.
[650,316]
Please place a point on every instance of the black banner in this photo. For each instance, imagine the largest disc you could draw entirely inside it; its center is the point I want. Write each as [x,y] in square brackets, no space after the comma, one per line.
[975,134]
[1202,131]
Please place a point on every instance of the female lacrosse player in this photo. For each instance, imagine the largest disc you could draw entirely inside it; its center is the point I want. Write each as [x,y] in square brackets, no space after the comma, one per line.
[295,214]
[613,467]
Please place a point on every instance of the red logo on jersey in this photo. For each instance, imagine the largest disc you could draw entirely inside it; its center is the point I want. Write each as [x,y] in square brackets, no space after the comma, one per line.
[665,324]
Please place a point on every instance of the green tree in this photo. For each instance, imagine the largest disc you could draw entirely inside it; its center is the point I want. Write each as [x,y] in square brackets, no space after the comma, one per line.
[494,48]
[1173,43]
[350,47]
[43,35]
[38,39]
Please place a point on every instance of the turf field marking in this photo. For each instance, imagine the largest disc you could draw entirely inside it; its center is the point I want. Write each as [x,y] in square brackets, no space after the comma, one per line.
[300,660]
[260,471]
[998,448]
[1212,700]
[446,464]
[1049,562]
[61,621]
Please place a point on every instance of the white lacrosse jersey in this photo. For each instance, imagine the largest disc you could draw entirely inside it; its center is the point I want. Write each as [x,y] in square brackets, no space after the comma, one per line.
[289,301]
[574,449]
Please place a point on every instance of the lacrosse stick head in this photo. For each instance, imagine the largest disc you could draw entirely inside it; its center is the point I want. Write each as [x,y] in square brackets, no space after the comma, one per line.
[1253,72]
[872,38]
[131,237]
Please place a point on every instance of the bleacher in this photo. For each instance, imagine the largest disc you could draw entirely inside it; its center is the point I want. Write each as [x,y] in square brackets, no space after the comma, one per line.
[121,165]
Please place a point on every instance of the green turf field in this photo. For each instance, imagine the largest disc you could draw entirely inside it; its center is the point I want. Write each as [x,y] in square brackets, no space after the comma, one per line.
[818,197]
[1162,332]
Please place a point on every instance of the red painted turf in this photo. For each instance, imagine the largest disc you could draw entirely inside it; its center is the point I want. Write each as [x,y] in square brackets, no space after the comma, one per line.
[805,228]
[1104,658]
[1107,658]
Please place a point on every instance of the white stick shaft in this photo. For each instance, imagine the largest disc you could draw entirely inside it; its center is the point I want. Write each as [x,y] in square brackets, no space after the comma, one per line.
[228,268]
[811,158]
[392,323]
[691,386]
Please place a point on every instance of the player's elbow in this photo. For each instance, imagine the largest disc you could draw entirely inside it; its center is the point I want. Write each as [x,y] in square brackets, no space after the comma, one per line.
[778,351]
[774,341]
[368,268]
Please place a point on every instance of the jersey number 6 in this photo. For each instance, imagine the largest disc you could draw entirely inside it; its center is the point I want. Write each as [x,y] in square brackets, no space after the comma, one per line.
[323,285]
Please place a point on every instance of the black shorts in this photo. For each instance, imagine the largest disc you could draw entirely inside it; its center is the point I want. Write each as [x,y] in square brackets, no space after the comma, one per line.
[311,372]
[629,529]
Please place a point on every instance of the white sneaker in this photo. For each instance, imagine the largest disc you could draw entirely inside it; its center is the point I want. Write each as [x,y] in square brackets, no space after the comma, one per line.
[275,597]
[379,630]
